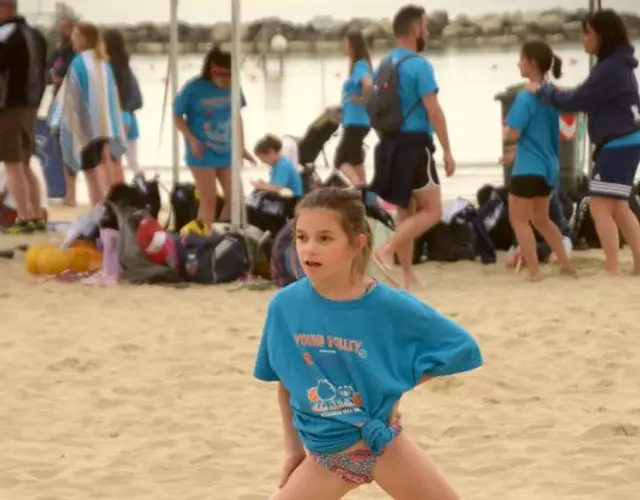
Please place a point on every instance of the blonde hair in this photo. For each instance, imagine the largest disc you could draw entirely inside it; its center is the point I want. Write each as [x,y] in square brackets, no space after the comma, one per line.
[92,35]
[349,206]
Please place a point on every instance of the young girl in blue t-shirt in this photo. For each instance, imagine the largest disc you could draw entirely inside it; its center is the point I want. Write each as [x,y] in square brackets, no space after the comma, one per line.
[344,349]
[534,126]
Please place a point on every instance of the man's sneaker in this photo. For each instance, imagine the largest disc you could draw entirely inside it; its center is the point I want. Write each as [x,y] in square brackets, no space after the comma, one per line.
[21,227]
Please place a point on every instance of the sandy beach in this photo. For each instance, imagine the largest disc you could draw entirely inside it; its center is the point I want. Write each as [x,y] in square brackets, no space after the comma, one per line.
[146,393]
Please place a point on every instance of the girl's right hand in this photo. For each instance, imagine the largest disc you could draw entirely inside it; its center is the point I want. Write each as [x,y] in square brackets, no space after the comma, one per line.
[292,459]
[196,147]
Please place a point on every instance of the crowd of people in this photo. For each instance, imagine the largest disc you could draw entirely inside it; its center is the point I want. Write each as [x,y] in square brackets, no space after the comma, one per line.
[343,347]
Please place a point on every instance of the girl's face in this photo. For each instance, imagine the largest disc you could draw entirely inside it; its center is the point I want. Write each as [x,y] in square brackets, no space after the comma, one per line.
[268,157]
[590,40]
[78,41]
[222,81]
[527,67]
[323,247]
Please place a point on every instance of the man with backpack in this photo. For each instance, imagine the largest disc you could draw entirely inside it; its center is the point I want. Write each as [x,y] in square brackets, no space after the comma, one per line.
[405,112]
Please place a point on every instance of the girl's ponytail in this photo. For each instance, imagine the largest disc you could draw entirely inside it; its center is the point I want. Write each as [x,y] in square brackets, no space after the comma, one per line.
[556,66]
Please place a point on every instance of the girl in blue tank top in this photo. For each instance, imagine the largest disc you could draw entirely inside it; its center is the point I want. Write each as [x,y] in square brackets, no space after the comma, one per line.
[344,349]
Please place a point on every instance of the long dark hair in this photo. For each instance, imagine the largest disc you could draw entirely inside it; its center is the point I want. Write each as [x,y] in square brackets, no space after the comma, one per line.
[359,49]
[119,59]
[116,47]
[609,26]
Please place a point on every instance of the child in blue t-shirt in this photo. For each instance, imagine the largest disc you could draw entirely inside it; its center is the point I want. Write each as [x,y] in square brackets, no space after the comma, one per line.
[344,349]
[534,126]
[284,178]
[350,156]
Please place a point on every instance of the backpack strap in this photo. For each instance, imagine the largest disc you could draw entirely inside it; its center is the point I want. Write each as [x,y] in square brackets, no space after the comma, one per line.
[397,66]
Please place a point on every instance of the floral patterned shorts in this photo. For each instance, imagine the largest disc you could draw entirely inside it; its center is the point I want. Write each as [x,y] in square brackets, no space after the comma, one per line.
[354,467]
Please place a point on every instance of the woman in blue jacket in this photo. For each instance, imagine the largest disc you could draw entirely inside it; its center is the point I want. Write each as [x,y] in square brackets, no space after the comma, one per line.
[609,97]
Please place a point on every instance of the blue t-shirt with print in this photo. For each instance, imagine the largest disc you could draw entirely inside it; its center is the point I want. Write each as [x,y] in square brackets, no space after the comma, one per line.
[207,110]
[284,173]
[354,114]
[416,80]
[347,363]
[539,141]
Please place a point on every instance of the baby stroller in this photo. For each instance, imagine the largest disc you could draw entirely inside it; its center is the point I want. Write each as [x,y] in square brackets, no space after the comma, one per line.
[304,151]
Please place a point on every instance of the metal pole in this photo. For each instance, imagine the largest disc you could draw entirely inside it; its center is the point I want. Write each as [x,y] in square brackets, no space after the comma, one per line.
[173,65]
[593,6]
[236,145]
[323,83]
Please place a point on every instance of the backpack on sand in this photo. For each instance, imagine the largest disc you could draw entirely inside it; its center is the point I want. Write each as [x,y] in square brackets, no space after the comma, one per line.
[285,266]
[383,106]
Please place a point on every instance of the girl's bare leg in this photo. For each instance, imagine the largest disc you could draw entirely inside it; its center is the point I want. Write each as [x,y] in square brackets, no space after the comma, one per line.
[70,184]
[205,180]
[311,481]
[405,472]
[520,215]
[602,213]
[224,175]
[95,185]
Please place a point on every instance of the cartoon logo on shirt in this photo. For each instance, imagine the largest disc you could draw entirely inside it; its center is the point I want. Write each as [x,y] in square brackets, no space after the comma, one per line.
[218,136]
[325,397]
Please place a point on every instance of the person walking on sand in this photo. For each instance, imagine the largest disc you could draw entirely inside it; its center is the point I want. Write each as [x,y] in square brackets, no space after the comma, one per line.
[23,80]
[404,166]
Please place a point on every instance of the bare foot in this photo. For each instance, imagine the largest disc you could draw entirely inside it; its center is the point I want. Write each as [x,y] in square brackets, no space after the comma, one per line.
[534,278]
[569,271]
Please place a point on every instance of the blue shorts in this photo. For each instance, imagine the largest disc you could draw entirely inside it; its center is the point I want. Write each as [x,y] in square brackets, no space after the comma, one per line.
[614,172]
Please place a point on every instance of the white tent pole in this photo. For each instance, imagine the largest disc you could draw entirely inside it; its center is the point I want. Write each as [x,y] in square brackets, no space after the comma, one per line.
[236,150]
[173,66]
[594,5]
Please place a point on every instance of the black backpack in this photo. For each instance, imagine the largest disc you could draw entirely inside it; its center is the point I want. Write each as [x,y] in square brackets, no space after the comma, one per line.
[383,106]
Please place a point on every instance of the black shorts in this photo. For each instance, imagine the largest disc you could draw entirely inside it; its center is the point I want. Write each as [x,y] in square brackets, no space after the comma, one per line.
[529,186]
[92,154]
[425,174]
[350,149]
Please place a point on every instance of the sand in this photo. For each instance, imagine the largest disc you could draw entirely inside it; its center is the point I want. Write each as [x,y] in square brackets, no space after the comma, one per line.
[146,393]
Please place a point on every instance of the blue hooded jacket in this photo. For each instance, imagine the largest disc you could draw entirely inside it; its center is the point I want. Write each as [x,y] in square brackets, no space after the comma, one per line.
[609,96]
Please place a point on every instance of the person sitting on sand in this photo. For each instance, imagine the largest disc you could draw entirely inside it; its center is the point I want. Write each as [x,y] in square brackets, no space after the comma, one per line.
[344,349]
[284,178]
[536,169]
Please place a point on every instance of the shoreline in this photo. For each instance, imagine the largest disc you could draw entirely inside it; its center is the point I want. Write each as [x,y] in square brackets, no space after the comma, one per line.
[324,34]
